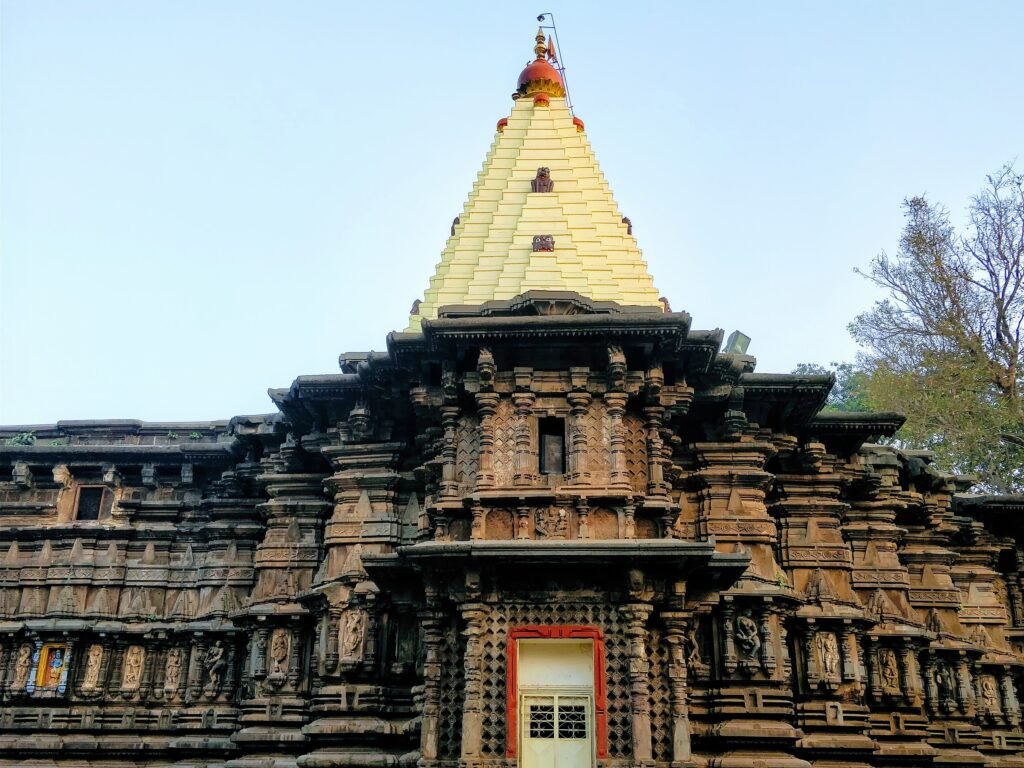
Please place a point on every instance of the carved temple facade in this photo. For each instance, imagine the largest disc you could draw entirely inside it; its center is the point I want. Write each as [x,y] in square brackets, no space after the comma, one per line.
[553,525]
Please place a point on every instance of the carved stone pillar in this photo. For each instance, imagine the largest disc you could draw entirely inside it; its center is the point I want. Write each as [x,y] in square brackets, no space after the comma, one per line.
[639,679]
[147,673]
[579,403]
[114,650]
[449,451]
[911,675]
[472,707]
[522,521]
[675,636]
[433,634]
[476,530]
[582,519]
[656,486]
[295,659]
[850,655]
[810,658]
[231,671]
[196,671]
[525,462]
[486,404]
[1011,706]
[331,646]
[767,645]
[259,653]
[965,693]
[728,637]
[931,684]
[616,408]
[159,654]
[628,520]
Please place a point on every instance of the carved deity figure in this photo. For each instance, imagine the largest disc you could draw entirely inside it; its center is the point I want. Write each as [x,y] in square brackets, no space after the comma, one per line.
[748,639]
[828,649]
[890,671]
[172,670]
[542,182]
[947,686]
[279,651]
[54,668]
[93,660]
[352,643]
[990,693]
[22,666]
[133,668]
[214,663]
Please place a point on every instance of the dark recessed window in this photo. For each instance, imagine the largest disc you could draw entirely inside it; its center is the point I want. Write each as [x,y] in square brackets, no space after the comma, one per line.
[552,446]
[90,503]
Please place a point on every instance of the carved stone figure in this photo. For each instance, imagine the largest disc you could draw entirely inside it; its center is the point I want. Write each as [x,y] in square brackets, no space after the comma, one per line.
[352,642]
[22,666]
[828,650]
[748,638]
[542,182]
[990,693]
[947,686]
[280,648]
[890,671]
[543,243]
[172,670]
[93,661]
[214,663]
[132,677]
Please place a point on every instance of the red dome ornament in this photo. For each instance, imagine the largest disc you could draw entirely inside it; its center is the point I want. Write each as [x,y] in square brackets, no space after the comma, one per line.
[540,79]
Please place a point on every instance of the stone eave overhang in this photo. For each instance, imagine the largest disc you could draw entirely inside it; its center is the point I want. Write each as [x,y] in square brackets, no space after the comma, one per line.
[1003,515]
[783,401]
[668,557]
[847,431]
[119,454]
[627,328]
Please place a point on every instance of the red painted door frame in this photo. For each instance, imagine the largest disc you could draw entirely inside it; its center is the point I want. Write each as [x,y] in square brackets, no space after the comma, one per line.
[516,634]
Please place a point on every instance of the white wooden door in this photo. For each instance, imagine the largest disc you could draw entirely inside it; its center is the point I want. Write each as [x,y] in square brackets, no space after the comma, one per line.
[556,730]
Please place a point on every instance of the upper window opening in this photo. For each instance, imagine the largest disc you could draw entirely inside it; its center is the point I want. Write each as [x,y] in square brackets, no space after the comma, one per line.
[552,446]
[90,503]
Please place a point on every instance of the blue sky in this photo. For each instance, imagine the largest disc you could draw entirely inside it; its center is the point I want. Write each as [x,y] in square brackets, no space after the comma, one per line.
[200,200]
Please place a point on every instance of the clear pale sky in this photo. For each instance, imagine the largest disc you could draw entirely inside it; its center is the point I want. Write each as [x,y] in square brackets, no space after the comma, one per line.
[200,200]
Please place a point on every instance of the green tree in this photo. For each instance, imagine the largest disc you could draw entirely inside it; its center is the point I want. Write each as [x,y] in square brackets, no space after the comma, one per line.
[944,347]
[850,390]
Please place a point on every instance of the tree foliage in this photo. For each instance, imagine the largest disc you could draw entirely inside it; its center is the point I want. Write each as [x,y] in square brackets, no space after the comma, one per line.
[944,346]
[850,390]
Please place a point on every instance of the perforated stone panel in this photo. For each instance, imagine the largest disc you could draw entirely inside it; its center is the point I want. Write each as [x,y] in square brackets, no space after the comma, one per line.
[661,702]
[495,644]
[453,650]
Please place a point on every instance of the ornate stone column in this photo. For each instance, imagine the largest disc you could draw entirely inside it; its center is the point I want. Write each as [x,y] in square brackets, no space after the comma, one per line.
[675,636]
[639,679]
[579,403]
[615,403]
[295,658]
[433,635]
[656,486]
[525,461]
[729,639]
[472,706]
[487,405]
[449,451]
[331,646]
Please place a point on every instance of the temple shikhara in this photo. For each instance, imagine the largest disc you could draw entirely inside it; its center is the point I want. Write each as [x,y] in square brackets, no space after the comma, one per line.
[554,525]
